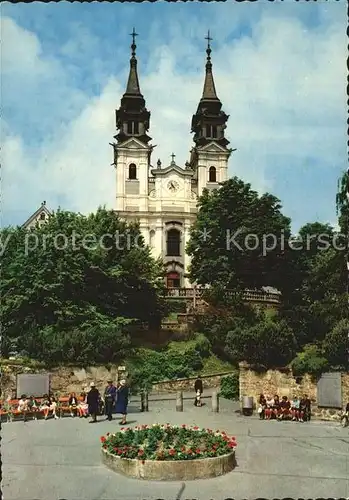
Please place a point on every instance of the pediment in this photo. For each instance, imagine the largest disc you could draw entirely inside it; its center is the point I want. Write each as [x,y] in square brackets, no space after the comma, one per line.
[172,170]
[213,147]
[133,143]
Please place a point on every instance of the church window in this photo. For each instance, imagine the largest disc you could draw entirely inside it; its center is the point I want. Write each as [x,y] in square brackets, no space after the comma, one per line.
[212,174]
[152,238]
[132,128]
[42,216]
[173,242]
[211,131]
[132,171]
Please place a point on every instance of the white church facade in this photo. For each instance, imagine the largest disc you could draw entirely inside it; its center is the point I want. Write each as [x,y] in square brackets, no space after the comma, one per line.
[163,198]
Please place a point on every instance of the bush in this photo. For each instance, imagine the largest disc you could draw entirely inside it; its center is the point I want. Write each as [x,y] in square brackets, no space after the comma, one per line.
[336,346]
[230,386]
[91,345]
[309,361]
[148,367]
[176,306]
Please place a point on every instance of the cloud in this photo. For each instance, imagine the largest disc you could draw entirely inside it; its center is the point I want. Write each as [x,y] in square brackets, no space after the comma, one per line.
[281,81]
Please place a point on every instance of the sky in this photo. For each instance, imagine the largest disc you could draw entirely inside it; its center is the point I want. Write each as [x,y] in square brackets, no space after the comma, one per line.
[279,69]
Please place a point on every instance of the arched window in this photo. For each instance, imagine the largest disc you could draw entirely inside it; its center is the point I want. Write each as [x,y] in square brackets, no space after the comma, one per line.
[132,171]
[212,174]
[152,238]
[42,216]
[173,242]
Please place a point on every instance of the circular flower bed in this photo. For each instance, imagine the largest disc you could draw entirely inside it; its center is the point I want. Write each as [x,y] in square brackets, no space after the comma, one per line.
[168,443]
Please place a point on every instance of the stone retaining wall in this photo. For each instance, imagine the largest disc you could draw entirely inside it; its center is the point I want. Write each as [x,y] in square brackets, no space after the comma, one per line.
[187,384]
[283,383]
[63,380]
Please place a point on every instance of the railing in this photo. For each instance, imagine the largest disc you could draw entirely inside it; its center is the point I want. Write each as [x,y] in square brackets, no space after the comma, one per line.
[248,295]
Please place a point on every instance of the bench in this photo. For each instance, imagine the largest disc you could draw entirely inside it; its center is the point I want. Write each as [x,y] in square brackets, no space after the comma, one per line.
[11,411]
[63,405]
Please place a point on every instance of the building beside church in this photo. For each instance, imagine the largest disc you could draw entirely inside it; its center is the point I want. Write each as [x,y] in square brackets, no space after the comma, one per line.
[163,198]
[40,216]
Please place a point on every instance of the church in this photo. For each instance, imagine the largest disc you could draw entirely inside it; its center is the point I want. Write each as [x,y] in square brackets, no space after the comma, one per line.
[163,198]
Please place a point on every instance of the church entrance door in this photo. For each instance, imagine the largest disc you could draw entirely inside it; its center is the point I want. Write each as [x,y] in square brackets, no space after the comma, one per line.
[173,280]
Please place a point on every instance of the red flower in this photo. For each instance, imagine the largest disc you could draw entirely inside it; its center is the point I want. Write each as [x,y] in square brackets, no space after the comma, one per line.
[172,452]
[183,426]
[233,438]
[198,450]
[196,428]
[140,452]
[102,439]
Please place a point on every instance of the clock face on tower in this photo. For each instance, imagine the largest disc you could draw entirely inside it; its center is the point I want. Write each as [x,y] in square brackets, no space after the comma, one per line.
[173,186]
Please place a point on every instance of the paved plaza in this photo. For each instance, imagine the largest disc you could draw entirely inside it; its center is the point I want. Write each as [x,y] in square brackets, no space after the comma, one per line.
[61,459]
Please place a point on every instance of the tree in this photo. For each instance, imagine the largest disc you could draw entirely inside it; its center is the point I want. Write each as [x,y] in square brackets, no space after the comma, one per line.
[315,298]
[269,343]
[228,240]
[77,273]
[342,202]
[336,345]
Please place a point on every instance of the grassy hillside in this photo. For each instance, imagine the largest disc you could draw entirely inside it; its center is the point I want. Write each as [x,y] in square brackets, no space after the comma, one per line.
[178,359]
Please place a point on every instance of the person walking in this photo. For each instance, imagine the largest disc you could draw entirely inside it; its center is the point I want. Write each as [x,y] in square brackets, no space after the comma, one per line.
[93,397]
[122,401]
[109,398]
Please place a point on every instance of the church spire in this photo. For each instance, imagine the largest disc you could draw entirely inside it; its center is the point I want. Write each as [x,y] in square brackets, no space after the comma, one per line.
[132,118]
[133,82]
[209,91]
[209,121]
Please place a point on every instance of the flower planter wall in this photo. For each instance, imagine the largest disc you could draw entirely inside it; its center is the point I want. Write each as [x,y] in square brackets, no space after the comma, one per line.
[163,452]
[179,470]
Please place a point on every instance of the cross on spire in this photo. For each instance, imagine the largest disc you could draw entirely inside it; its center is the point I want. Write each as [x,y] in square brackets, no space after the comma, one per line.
[208,50]
[133,46]
[208,38]
[173,156]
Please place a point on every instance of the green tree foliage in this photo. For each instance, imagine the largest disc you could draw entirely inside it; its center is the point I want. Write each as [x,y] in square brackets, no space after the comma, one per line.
[310,360]
[316,298]
[230,386]
[77,273]
[232,214]
[269,343]
[147,367]
[336,345]
[343,202]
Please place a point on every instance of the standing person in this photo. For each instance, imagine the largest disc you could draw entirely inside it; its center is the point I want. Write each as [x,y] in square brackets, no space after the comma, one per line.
[109,398]
[93,402]
[122,401]
[198,385]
